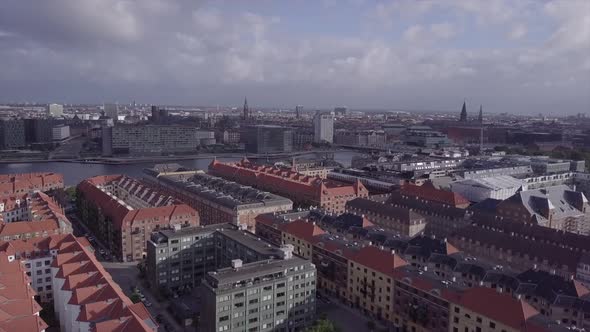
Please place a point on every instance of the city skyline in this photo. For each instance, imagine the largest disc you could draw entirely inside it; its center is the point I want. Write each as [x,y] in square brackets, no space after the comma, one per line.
[524,57]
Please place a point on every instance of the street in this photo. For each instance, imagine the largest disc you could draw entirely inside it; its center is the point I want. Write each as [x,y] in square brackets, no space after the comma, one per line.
[126,275]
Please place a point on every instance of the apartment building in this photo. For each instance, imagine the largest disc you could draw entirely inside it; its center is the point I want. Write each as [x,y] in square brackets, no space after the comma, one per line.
[63,271]
[153,139]
[441,219]
[269,295]
[32,215]
[399,220]
[246,283]
[371,281]
[301,189]
[24,183]
[218,200]
[123,212]
[87,299]
[20,310]
[556,207]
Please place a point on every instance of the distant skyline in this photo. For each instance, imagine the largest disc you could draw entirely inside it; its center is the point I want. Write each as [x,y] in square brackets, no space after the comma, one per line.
[515,56]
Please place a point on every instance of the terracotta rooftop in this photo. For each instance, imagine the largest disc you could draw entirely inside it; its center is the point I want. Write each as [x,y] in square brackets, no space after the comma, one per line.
[500,307]
[29,182]
[378,259]
[302,229]
[430,193]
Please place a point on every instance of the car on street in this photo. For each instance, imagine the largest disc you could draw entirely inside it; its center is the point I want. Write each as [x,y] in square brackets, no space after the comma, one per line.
[146,303]
[101,251]
[90,238]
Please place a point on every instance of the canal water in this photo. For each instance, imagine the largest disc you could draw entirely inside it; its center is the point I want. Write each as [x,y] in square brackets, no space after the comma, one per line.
[76,172]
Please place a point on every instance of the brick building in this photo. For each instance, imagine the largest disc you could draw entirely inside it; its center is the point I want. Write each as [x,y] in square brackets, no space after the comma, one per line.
[400,220]
[301,189]
[31,215]
[123,212]
[15,184]
[218,200]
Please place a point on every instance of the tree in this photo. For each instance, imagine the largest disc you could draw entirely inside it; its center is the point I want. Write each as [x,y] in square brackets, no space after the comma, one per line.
[135,298]
[323,325]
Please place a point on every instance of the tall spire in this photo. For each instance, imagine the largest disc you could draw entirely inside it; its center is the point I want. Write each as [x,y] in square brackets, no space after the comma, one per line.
[480,118]
[246,110]
[463,117]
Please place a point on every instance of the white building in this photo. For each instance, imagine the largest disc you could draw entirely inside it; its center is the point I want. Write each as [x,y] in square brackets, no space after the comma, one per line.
[497,187]
[55,110]
[60,132]
[323,128]
[112,111]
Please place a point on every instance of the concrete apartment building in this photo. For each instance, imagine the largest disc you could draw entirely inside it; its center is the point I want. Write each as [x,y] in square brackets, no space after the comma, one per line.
[218,200]
[15,184]
[301,189]
[123,212]
[12,134]
[273,295]
[20,310]
[267,139]
[151,139]
[399,220]
[323,128]
[246,283]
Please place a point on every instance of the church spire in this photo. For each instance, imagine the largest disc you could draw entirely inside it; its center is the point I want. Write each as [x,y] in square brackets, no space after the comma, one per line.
[463,117]
[480,117]
[246,110]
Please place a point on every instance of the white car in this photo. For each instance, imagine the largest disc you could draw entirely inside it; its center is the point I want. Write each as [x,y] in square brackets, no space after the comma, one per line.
[146,303]
[101,251]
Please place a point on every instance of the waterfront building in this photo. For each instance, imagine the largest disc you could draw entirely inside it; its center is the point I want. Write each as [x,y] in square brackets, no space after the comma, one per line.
[153,139]
[12,134]
[323,128]
[268,139]
[23,183]
[301,189]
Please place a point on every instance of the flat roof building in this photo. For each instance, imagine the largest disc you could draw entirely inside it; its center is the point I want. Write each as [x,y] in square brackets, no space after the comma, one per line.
[218,200]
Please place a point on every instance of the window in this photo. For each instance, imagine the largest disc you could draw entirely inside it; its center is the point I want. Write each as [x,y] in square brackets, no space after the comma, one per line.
[223,318]
[492,325]
[47,262]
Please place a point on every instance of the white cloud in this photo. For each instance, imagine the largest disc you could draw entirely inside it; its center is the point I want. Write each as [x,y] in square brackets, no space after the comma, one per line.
[517,32]
[443,30]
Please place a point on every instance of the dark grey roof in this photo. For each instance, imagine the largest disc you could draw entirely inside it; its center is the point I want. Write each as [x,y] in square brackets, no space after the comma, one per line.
[404,214]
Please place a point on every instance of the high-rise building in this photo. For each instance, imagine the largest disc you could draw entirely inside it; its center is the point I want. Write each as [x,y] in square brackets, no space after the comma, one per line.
[323,128]
[298,110]
[112,111]
[463,117]
[55,110]
[38,130]
[12,134]
[268,139]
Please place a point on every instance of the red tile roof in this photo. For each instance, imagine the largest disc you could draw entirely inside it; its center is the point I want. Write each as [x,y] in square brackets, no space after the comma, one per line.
[430,193]
[18,309]
[500,307]
[380,260]
[29,182]
[302,229]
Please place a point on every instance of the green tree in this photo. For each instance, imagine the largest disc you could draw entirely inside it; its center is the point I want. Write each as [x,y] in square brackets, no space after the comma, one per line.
[135,298]
[323,325]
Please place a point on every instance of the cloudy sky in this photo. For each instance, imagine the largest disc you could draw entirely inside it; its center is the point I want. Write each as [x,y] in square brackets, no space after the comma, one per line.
[529,56]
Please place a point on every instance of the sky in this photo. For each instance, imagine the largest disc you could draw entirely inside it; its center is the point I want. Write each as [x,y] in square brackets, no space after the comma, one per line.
[515,56]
